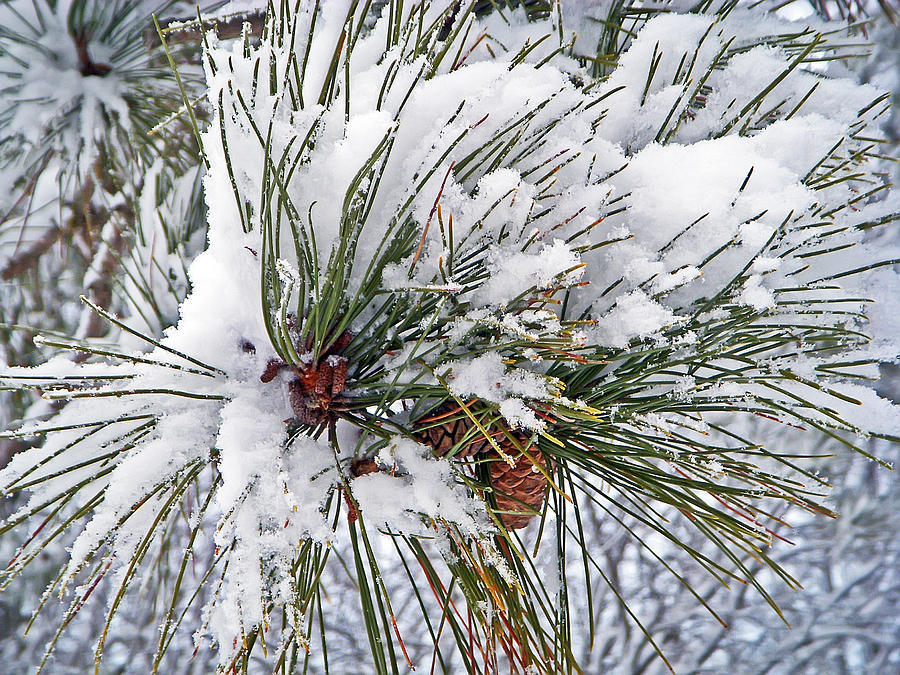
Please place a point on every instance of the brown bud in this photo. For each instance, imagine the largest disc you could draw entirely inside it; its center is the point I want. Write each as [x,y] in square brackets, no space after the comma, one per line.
[273,367]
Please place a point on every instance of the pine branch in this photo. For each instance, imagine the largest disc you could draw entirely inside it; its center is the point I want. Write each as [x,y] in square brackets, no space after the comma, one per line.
[190,31]
[435,311]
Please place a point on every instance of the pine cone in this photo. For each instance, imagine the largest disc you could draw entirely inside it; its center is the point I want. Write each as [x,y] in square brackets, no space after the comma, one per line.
[519,490]
[446,426]
[315,385]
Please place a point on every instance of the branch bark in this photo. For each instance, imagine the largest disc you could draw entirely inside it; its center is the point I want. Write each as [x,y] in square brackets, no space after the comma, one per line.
[188,30]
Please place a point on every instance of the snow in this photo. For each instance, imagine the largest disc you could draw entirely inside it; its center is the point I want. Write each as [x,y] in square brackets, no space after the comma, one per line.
[488,378]
[514,274]
[432,488]
[756,295]
[634,316]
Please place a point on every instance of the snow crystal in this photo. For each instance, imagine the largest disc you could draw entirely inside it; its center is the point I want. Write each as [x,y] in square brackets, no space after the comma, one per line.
[514,273]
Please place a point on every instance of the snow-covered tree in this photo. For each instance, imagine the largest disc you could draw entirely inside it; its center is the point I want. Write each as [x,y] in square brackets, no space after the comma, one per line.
[86,173]
[598,269]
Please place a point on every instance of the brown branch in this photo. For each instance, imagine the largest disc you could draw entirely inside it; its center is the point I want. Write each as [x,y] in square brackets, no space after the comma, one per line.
[100,290]
[183,30]
[25,260]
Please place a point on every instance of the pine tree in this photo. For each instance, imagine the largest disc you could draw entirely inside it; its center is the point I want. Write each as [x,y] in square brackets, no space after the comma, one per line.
[471,268]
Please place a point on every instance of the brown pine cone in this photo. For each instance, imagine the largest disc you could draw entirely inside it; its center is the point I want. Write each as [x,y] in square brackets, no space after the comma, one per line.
[447,425]
[519,490]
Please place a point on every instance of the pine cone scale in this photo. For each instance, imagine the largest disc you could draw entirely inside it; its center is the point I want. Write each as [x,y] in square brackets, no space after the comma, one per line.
[444,436]
[520,489]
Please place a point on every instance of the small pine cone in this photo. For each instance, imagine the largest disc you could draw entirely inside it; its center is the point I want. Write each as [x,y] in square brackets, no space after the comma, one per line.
[338,366]
[341,343]
[273,367]
[446,426]
[323,380]
[519,490]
